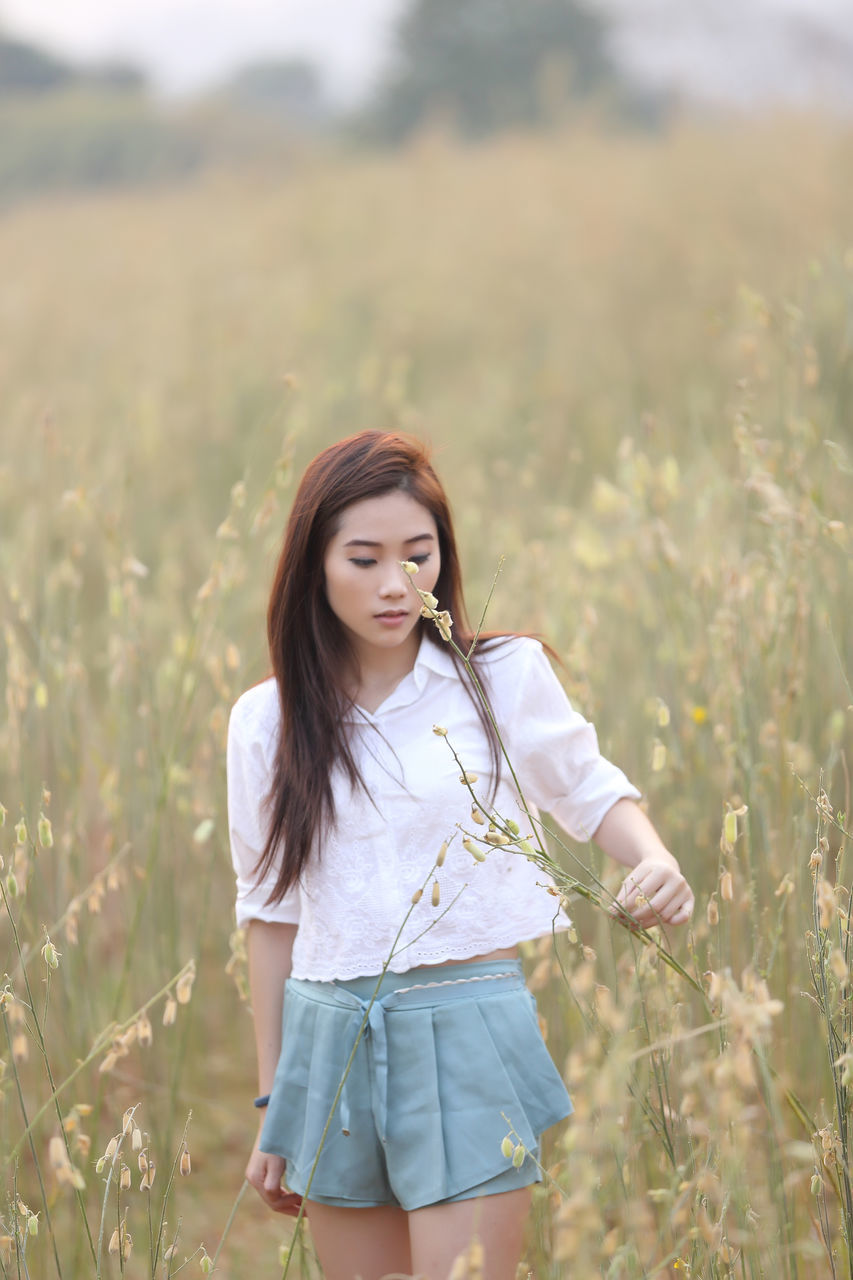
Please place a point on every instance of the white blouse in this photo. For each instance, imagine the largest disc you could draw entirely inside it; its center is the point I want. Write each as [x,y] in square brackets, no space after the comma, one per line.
[354,894]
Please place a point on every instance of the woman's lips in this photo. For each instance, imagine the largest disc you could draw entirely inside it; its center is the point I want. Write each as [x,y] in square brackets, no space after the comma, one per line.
[392,617]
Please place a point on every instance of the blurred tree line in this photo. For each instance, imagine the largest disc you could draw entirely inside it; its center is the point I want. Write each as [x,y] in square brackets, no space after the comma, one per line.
[475,68]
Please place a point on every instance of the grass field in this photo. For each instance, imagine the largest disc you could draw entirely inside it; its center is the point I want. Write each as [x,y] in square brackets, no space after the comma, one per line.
[634,359]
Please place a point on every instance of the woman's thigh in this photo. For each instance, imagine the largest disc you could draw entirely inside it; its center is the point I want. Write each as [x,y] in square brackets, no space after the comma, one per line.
[440,1232]
[369,1243]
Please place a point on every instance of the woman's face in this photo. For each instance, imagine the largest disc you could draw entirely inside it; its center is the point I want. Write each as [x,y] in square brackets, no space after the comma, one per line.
[366,588]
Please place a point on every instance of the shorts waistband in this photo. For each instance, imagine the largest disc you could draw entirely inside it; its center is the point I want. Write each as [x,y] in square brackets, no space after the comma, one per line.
[417,988]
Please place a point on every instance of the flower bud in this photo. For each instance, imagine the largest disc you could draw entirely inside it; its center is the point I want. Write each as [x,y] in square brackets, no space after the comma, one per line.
[32,1224]
[476,816]
[205,1262]
[45,832]
[475,851]
[21,832]
[409,567]
[507,1147]
[170,1012]
[186,1163]
[144,1034]
[50,955]
[518,1156]
[416,896]
[112,1148]
[441,855]
[439,730]
[436,893]
[124,1180]
[512,825]
[115,1242]
[184,985]
[726,886]
[468,778]
[444,622]
[713,912]
[730,827]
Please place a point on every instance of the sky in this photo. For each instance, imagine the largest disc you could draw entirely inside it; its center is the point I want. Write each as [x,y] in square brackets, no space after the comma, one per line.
[740,50]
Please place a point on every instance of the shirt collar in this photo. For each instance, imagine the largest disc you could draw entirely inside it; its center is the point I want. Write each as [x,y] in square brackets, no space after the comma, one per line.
[431,660]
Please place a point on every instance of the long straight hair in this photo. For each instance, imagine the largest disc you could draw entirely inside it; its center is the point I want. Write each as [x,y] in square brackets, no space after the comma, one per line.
[309,648]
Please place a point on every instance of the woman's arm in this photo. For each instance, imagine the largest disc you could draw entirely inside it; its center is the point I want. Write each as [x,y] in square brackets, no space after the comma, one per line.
[655,891]
[270,946]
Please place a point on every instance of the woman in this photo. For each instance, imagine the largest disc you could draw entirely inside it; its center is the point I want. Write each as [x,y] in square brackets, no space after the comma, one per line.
[348,816]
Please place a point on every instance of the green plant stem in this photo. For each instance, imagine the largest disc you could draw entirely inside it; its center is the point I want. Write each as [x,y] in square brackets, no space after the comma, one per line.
[43,1049]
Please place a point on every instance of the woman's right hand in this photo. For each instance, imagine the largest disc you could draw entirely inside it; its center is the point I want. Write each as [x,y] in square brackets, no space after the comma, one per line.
[265,1173]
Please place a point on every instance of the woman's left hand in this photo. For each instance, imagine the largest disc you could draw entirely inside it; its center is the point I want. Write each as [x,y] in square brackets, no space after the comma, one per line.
[655,892]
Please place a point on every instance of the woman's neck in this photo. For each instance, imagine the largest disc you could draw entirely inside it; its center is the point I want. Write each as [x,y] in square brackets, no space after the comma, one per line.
[378,674]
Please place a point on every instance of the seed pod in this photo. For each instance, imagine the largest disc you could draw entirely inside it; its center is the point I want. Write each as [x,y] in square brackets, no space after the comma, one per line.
[436,893]
[115,1242]
[124,1180]
[112,1148]
[713,912]
[50,955]
[439,730]
[475,851]
[170,1012]
[32,1224]
[730,826]
[518,1156]
[45,832]
[726,886]
[186,1163]
[441,855]
[507,1147]
[468,778]
[416,896]
[136,1139]
[144,1034]
[513,826]
[409,567]
[477,817]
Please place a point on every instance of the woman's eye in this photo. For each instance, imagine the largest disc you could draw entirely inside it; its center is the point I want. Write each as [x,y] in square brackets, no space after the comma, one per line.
[362,563]
[420,559]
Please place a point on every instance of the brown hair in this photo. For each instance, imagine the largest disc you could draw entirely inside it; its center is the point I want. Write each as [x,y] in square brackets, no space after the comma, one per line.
[309,648]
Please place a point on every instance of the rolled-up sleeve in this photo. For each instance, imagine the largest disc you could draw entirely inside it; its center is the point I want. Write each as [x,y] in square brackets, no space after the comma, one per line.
[560,767]
[248,783]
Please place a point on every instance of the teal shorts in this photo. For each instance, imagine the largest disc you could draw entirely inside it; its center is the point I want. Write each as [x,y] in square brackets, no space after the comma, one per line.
[451,1060]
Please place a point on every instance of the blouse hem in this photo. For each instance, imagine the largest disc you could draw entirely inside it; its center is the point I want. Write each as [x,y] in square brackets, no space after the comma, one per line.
[444,955]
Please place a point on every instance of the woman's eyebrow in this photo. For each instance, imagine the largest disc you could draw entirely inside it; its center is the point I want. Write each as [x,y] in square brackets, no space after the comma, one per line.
[366,542]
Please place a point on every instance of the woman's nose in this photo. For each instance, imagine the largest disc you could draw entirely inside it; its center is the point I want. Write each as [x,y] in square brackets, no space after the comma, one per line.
[394,585]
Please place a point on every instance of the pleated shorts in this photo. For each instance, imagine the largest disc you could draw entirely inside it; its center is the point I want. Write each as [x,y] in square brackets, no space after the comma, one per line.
[449,1062]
